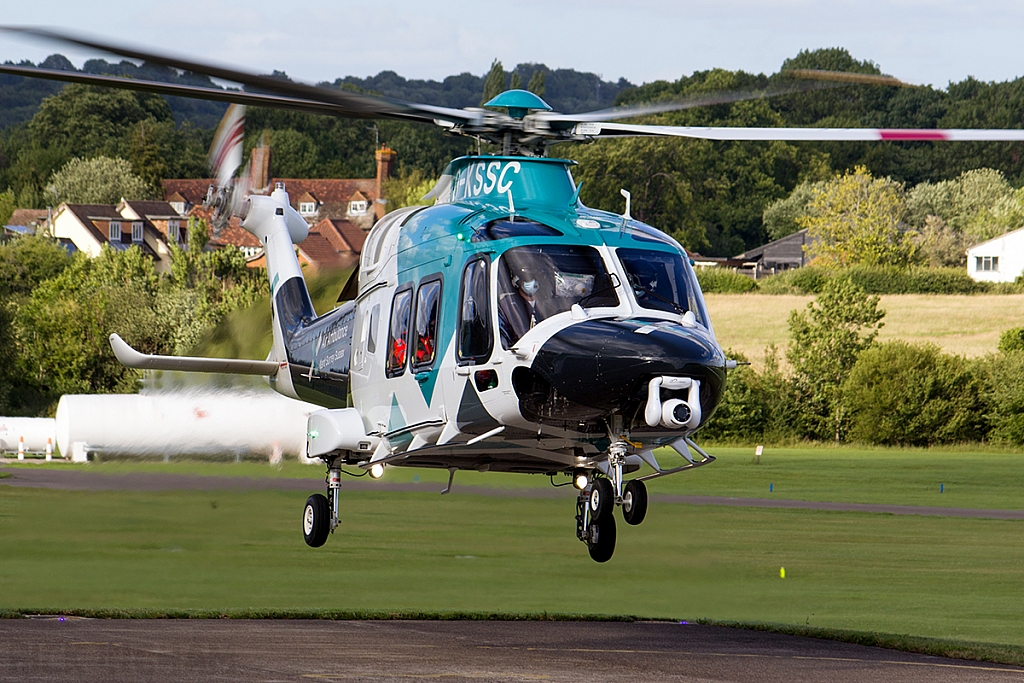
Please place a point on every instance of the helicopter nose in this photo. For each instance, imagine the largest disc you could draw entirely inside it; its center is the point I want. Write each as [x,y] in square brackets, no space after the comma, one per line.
[604,364]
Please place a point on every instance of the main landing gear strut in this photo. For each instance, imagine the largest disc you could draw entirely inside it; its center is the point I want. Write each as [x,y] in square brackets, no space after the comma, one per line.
[320,517]
[598,496]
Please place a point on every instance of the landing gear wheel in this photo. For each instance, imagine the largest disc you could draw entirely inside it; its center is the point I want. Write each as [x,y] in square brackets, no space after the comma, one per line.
[602,501]
[601,538]
[316,520]
[634,502]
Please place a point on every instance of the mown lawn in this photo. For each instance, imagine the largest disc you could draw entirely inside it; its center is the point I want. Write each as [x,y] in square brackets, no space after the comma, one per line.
[941,577]
[978,477]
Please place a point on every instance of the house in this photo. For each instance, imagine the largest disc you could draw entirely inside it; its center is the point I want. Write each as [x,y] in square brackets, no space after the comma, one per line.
[998,260]
[784,253]
[340,212]
[26,221]
[359,200]
[90,226]
[161,215]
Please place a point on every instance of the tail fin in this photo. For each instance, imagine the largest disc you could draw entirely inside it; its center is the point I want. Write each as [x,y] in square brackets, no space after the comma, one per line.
[279,227]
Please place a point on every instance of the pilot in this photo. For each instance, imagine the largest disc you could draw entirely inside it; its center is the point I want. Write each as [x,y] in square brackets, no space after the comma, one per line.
[518,311]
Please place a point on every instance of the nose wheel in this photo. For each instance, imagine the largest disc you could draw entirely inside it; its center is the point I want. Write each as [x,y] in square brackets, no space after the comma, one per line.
[595,521]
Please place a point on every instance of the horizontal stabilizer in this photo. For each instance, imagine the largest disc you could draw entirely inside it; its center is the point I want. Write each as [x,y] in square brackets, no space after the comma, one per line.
[131,358]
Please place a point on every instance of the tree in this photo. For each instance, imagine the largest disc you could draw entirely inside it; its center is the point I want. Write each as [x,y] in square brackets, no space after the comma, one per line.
[899,394]
[515,82]
[825,341]
[101,180]
[494,84]
[855,219]
[780,217]
[29,260]
[407,189]
[7,206]
[536,84]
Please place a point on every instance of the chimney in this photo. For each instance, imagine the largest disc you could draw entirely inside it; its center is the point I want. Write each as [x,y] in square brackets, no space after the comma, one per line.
[385,165]
[259,168]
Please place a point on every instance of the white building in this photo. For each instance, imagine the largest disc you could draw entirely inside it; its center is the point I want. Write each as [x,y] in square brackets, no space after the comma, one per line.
[998,260]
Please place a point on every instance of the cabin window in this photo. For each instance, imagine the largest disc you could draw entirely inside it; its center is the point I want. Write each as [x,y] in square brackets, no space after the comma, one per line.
[475,338]
[307,208]
[428,302]
[398,336]
[136,232]
[660,281]
[114,231]
[538,282]
[987,263]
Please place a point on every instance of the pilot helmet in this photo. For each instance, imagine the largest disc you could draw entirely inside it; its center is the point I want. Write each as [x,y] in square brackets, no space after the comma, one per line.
[644,277]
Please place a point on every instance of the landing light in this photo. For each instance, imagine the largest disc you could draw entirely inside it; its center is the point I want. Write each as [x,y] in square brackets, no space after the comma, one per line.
[580,480]
[376,471]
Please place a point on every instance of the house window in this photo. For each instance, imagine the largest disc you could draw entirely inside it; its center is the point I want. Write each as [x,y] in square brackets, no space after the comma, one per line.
[114,232]
[178,206]
[307,208]
[358,207]
[174,231]
[987,263]
[136,232]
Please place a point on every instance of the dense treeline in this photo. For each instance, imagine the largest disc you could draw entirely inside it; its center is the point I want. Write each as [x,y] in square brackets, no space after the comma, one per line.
[710,195]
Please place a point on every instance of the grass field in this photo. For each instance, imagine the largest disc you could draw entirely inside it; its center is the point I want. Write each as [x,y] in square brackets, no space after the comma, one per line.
[965,325]
[974,478]
[929,576]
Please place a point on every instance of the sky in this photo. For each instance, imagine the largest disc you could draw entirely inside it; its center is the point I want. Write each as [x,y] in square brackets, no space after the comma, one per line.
[919,41]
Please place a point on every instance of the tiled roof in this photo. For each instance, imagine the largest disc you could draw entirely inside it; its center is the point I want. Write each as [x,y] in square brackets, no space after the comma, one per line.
[328,189]
[321,254]
[232,233]
[152,209]
[191,190]
[343,234]
[28,217]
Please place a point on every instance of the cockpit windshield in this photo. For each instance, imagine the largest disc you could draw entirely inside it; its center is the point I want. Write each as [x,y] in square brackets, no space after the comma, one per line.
[539,281]
[661,281]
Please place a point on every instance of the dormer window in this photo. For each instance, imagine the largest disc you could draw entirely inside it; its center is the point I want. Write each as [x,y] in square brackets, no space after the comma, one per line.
[307,208]
[137,231]
[357,207]
[178,206]
[114,232]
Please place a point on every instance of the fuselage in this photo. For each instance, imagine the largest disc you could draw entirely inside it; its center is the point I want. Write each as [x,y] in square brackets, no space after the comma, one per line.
[442,345]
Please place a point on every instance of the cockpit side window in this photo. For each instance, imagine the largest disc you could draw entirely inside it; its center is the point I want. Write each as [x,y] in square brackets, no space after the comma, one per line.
[475,337]
[398,336]
[660,281]
[428,301]
[540,281]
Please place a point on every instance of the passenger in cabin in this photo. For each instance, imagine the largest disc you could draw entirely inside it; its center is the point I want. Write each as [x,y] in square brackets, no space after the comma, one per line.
[521,309]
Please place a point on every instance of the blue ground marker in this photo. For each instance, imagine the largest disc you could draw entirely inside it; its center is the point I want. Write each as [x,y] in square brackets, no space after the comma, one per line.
[771,487]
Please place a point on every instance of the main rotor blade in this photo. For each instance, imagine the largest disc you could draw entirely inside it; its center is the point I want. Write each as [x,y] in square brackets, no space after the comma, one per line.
[801,134]
[691,101]
[191,91]
[345,103]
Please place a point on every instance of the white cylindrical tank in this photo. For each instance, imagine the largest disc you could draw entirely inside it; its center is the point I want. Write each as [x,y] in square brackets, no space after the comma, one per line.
[182,424]
[35,431]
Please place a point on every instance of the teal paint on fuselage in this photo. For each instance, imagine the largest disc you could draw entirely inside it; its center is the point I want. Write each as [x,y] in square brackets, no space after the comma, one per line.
[439,239]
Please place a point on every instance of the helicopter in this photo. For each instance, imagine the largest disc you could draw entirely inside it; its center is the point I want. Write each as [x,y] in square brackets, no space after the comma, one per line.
[505,327]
